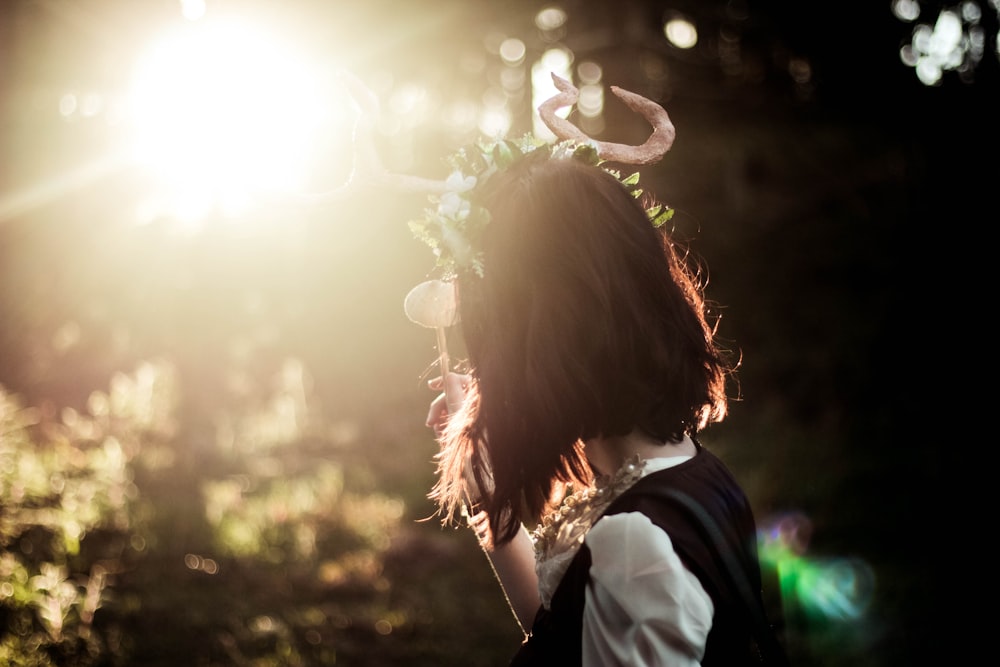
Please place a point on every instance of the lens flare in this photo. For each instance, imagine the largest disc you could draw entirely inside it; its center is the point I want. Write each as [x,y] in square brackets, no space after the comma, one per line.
[830,589]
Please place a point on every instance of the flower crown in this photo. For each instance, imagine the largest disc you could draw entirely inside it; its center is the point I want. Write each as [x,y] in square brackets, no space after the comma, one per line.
[453,227]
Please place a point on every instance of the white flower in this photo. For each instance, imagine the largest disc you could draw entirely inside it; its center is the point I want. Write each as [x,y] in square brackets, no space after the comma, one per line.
[563,150]
[459,182]
[452,205]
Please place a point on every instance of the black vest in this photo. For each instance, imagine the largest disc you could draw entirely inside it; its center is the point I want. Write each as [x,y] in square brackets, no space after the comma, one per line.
[709,520]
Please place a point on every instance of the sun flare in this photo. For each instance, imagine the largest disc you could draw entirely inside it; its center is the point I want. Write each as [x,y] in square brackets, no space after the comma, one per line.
[222,112]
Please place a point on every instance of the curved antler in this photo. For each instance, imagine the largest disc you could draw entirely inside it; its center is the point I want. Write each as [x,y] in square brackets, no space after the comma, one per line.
[367,171]
[649,152]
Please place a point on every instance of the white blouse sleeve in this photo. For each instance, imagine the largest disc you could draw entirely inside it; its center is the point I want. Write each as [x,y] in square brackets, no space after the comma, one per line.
[643,607]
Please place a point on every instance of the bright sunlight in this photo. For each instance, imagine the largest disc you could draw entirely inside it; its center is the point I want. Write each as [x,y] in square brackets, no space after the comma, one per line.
[223,112]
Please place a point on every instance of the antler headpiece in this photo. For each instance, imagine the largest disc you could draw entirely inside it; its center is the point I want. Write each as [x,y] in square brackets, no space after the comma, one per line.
[650,152]
[453,226]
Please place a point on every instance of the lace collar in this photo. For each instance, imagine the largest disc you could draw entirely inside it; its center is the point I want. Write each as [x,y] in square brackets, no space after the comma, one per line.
[559,536]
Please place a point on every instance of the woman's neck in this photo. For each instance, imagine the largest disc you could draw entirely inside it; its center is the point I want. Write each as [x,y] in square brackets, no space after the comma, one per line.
[607,454]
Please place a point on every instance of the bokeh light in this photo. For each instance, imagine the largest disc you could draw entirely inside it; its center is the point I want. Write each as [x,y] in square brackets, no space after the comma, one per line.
[680,32]
[558,61]
[512,51]
[550,18]
[955,42]
[591,103]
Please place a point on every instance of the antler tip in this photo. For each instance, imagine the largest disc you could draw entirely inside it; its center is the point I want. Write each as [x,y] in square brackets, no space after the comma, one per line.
[563,85]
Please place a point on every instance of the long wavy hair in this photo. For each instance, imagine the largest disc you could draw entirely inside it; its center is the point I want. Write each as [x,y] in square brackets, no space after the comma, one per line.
[587,322]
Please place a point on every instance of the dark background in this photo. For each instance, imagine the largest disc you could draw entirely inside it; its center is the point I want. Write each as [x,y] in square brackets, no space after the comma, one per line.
[839,217]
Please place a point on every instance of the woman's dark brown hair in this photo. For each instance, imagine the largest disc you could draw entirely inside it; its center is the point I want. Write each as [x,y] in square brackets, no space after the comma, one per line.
[587,322]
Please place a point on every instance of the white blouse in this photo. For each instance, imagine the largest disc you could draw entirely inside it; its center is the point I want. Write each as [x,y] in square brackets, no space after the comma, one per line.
[643,607]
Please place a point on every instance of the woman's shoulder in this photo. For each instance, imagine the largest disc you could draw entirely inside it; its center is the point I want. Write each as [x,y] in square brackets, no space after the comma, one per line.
[646,542]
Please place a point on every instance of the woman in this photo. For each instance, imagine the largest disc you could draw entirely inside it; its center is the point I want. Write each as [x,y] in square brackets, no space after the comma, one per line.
[593,366]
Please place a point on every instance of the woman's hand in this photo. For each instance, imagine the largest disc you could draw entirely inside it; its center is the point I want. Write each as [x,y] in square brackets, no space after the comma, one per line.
[452,387]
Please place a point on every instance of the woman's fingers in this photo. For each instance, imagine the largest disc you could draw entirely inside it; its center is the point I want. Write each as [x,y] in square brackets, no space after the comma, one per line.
[437,415]
[455,385]
[452,387]
[460,380]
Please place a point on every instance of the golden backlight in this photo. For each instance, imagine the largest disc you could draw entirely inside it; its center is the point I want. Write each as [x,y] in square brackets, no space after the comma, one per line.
[221,113]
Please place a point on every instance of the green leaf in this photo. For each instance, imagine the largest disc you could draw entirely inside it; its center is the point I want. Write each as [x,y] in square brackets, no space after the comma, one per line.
[662,217]
[505,153]
[631,180]
[587,153]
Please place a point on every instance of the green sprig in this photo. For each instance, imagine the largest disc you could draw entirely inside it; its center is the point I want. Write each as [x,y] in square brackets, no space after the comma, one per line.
[453,226]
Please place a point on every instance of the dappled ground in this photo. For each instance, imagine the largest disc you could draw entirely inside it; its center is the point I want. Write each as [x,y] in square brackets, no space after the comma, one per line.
[283,545]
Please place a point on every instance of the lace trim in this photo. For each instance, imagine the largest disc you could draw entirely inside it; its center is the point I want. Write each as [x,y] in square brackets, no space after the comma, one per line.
[559,536]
